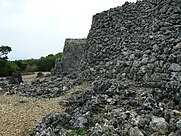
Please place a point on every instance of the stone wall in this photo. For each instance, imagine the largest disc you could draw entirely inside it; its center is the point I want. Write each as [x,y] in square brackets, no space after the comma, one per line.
[72,54]
[140,41]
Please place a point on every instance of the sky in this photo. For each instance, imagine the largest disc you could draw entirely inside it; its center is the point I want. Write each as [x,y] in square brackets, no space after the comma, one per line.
[36,28]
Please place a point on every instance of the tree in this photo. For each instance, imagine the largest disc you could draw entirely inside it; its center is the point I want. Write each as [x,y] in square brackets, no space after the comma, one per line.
[6,68]
[4,50]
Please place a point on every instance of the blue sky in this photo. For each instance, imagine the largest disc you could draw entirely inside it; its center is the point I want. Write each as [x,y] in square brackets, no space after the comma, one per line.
[35,28]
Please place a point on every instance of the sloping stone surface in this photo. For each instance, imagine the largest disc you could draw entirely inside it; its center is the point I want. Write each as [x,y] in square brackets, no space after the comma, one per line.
[139,40]
[72,54]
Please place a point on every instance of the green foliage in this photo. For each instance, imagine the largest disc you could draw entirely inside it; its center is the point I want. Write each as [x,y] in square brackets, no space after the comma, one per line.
[48,62]
[7,67]
[42,64]
[13,66]
[31,68]
[76,132]
[30,65]
[20,64]
[4,50]
[3,71]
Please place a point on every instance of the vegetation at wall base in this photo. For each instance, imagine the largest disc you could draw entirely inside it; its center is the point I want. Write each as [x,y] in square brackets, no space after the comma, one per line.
[42,64]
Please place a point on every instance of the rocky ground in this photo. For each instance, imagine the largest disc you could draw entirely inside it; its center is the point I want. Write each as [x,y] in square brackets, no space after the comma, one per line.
[115,108]
[104,107]
[20,115]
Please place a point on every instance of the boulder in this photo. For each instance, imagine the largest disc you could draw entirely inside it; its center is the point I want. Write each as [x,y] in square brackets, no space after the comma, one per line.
[39,74]
[16,78]
[159,125]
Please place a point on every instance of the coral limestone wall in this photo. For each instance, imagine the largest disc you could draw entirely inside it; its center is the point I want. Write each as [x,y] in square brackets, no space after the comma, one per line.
[70,62]
[141,41]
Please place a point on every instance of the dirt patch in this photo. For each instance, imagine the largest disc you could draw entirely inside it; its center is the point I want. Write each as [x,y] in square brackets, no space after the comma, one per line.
[32,77]
[20,115]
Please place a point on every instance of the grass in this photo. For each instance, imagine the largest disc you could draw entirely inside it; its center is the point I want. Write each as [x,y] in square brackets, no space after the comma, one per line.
[76,132]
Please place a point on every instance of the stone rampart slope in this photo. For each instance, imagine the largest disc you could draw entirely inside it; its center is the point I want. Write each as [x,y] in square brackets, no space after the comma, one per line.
[70,62]
[140,41]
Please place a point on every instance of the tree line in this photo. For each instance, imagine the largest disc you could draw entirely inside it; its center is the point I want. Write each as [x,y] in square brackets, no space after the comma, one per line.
[7,67]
